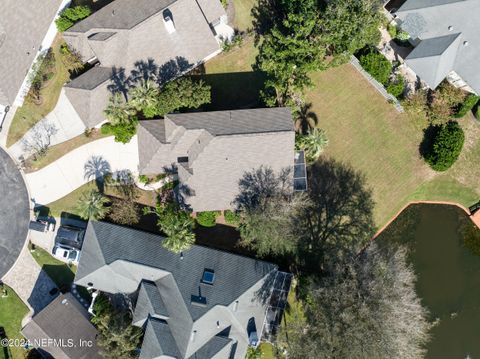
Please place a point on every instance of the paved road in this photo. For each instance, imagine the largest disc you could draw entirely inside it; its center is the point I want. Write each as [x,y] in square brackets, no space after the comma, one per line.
[14,213]
[68,172]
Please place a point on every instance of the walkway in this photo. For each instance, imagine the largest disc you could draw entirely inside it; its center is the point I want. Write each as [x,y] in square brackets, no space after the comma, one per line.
[68,172]
[30,282]
[63,117]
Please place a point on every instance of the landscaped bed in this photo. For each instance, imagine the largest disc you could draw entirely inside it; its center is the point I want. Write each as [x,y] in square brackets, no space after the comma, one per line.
[30,113]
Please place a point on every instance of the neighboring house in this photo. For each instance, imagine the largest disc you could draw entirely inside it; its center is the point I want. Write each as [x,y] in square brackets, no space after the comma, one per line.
[212,151]
[26,29]
[445,34]
[62,330]
[128,39]
[200,304]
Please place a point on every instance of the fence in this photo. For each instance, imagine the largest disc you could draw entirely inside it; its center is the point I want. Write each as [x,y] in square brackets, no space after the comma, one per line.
[354,61]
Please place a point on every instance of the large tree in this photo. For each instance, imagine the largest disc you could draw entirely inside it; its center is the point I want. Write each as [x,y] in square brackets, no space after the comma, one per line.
[143,98]
[368,308]
[177,225]
[289,51]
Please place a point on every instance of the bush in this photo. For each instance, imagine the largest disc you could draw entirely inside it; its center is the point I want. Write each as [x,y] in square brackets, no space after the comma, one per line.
[376,65]
[208,218]
[402,35]
[467,105]
[443,145]
[123,132]
[392,30]
[397,86]
[231,217]
[70,16]
[476,112]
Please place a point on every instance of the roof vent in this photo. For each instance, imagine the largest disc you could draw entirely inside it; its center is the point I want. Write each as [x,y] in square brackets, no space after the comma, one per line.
[465,43]
[194,333]
[181,255]
[64,302]
[113,12]
[450,28]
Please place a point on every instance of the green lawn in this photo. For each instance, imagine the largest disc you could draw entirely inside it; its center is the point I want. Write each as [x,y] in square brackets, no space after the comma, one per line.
[243,14]
[61,274]
[59,150]
[12,311]
[30,113]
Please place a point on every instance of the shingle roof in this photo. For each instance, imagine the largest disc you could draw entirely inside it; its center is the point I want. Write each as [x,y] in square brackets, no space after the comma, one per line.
[106,243]
[212,347]
[121,14]
[220,123]
[18,43]
[434,23]
[158,340]
[91,79]
[434,58]
[149,302]
[64,319]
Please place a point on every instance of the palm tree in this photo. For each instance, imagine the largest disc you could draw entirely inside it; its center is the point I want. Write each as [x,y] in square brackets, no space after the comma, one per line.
[91,205]
[118,111]
[312,144]
[177,225]
[306,119]
[144,97]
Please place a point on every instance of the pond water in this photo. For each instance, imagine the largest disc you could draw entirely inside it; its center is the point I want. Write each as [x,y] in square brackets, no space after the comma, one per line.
[448,274]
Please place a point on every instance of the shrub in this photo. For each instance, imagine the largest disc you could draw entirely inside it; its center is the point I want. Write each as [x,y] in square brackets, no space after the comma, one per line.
[476,112]
[232,217]
[467,105]
[123,132]
[208,218]
[402,35]
[70,16]
[376,65]
[392,30]
[444,146]
[144,179]
[397,86]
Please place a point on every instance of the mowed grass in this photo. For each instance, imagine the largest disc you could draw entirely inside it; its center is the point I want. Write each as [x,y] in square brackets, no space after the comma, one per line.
[243,14]
[12,311]
[29,113]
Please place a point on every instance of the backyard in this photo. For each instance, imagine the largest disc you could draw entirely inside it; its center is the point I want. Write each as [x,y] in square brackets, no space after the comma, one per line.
[367,132]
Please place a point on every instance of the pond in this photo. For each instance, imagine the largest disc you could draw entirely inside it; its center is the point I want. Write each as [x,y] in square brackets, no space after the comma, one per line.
[442,241]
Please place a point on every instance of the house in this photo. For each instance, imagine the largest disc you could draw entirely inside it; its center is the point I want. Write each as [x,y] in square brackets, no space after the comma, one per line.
[202,303]
[212,151]
[62,330]
[133,39]
[26,29]
[445,36]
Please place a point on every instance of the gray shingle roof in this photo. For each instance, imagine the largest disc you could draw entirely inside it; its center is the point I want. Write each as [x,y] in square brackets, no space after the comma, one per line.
[149,302]
[220,123]
[19,42]
[91,79]
[434,58]
[437,21]
[158,340]
[106,243]
[64,319]
[121,14]
[212,347]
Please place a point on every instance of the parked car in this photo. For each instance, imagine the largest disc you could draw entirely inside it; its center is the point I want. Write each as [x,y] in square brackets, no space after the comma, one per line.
[66,254]
[70,236]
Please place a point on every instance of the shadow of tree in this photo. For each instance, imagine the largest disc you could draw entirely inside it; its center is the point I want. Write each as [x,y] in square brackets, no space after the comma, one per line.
[120,82]
[96,168]
[337,222]
[429,134]
[265,13]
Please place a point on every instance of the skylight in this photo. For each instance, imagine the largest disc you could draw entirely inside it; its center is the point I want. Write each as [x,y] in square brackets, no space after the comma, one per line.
[208,276]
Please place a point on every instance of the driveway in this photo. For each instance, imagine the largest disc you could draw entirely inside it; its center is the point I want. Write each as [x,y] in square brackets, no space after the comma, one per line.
[69,172]
[63,117]
[14,212]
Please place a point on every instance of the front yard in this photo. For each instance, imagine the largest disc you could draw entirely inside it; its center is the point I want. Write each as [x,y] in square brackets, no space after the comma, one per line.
[30,113]
[12,311]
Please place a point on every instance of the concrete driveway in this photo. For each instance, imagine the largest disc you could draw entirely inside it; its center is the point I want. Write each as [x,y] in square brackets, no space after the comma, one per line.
[69,172]
[14,212]
[63,117]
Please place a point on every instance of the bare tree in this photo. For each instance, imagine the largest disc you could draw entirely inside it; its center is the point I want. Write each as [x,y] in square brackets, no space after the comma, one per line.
[38,140]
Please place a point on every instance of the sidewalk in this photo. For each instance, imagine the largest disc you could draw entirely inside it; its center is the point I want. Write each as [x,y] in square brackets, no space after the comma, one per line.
[68,172]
